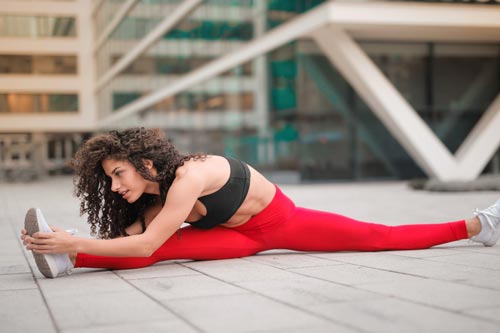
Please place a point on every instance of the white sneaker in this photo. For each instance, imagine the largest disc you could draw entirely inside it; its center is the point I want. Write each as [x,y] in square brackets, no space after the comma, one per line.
[490,225]
[50,265]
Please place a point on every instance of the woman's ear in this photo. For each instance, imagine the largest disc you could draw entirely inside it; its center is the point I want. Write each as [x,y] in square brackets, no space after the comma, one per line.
[148,164]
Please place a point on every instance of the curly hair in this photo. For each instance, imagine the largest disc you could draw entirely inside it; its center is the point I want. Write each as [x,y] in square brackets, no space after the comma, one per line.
[108,213]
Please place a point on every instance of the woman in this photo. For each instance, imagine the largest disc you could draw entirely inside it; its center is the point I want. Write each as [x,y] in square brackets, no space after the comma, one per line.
[138,190]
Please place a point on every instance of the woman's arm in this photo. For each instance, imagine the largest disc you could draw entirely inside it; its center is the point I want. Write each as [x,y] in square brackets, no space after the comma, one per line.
[181,198]
[136,228]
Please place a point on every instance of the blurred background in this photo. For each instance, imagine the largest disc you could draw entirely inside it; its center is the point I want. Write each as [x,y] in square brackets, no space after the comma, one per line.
[248,79]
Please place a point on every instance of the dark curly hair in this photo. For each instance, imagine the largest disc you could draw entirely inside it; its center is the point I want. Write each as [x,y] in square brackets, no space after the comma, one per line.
[108,213]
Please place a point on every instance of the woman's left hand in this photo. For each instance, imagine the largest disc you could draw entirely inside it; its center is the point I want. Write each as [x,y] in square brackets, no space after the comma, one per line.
[58,241]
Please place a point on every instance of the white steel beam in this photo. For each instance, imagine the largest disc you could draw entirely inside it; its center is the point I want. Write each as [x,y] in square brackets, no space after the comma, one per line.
[283,34]
[403,121]
[417,21]
[122,12]
[413,14]
[386,102]
[481,143]
[96,5]
[181,11]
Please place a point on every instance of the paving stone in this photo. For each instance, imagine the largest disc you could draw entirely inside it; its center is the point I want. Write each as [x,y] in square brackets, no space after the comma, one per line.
[449,288]
[427,253]
[13,264]
[481,260]
[248,313]
[237,270]
[304,291]
[478,248]
[24,311]
[84,284]
[349,274]
[492,314]
[426,267]
[446,295]
[386,315]
[150,326]
[7,234]
[333,256]
[168,269]
[105,308]
[17,282]
[189,286]
[289,260]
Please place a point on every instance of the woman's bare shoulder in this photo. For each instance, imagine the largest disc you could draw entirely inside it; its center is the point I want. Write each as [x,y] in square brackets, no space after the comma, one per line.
[196,168]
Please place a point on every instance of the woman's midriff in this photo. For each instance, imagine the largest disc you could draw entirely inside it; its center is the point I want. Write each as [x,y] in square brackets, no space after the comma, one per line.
[260,194]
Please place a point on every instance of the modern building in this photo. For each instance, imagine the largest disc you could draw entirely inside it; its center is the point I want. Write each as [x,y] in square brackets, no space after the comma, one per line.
[330,90]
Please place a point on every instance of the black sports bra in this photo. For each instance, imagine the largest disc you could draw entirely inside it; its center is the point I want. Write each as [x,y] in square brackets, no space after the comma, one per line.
[221,205]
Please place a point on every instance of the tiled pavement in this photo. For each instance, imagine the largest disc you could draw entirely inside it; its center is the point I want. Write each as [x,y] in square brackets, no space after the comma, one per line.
[450,288]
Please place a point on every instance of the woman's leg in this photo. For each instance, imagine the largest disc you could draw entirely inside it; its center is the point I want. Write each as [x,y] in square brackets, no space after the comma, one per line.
[311,230]
[187,243]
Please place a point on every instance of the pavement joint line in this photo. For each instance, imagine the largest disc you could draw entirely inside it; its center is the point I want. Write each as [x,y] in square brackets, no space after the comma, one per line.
[44,299]
[432,306]
[164,306]
[460,312]
[427,277]
[474,252]
[38,287]
[17,289]
[431,259]
[23,273]
[341,263]
[465,265]
[293,306]
[156,277]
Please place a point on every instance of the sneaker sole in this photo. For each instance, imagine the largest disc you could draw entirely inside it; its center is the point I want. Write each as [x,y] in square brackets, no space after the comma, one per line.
[43,262]
[494,238]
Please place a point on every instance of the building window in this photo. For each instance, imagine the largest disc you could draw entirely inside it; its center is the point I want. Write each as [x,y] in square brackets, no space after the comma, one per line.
[136,28]
[37,26]
[151,65]
[37,64]
[190,101]
[38,103]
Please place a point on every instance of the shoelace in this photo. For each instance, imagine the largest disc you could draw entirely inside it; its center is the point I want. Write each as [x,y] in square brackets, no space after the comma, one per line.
[488,212]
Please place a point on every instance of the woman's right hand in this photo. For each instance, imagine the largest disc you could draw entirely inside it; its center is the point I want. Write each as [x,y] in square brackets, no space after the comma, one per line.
[25,238]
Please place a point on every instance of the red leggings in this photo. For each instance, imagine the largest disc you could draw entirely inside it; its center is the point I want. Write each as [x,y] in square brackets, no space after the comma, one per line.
[281,225]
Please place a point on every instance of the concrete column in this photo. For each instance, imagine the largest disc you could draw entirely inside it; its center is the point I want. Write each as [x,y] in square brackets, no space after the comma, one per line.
[261,91]
[40,154]
[87,106]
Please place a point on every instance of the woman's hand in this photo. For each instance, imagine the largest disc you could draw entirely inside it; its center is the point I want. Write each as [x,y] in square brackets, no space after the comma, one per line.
[58,241]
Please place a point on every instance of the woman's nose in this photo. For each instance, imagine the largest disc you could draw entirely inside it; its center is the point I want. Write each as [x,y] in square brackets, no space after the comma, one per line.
[115,186]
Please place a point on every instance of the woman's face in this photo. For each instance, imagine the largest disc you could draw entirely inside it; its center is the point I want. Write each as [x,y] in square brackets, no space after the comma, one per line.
[126,181]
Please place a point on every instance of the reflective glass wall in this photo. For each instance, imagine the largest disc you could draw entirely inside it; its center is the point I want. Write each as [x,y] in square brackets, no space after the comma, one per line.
[37,64]
[38,103]
[36,26]
[290,109]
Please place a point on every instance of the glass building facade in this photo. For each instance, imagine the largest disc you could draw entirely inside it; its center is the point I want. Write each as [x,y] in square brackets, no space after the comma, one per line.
[288,109]
[317,125]
[36,26]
